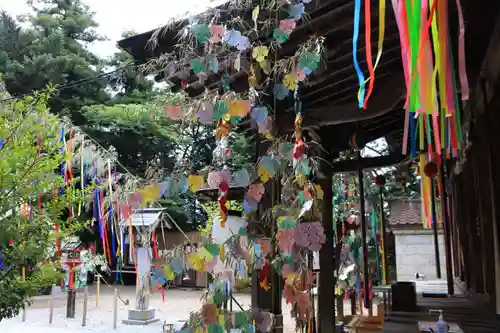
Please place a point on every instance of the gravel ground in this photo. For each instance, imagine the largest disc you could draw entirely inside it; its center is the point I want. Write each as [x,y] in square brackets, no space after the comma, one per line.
[177,306]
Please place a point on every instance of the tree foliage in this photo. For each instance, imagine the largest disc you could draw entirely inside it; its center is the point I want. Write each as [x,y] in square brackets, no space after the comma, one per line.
[31,155]
[52,48]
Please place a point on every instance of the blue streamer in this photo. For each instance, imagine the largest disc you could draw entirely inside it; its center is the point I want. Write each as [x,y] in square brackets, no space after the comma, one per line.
[2,266]
[361,77]
[113,238]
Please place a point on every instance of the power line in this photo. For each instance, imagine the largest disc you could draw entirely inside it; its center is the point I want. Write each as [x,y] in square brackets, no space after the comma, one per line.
[70,84]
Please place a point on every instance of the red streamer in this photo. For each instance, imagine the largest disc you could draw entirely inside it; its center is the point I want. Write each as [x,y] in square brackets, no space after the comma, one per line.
[369,60]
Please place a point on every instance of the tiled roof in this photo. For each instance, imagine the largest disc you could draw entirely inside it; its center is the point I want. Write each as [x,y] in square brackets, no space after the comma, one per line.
[407,212]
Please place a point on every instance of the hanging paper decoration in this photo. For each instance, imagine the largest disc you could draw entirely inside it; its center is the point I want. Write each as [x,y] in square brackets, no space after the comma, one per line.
[217,33]
[296,11]
[201,32]
[309,62]
[280,91]
[287,26]
[232,37]
[239,108]
[260,53]
[174,112]
[259,114]
[243,43]
[279,36]
[206,114]
[220,110]
[241,177]
[255,15]
[197,65]
[213,64]
[290,82]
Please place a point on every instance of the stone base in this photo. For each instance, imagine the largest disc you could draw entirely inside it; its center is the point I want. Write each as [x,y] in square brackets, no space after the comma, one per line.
[141,317]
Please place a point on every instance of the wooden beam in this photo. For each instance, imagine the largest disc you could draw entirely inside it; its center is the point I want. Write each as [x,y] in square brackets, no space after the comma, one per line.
[379,105]
[369,163]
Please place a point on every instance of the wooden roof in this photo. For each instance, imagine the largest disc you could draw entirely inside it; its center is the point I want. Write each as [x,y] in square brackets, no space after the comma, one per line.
[329,96]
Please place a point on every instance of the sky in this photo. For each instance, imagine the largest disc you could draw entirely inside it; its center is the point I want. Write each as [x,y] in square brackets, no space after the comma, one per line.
[116,16]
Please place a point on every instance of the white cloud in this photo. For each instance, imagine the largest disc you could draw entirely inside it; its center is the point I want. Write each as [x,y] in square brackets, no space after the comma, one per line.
[116,16]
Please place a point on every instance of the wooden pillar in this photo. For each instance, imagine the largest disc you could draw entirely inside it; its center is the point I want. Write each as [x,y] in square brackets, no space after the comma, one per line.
[446,224]
[493,181]
[268,300]
[326,290]
[366,275]
[435,228]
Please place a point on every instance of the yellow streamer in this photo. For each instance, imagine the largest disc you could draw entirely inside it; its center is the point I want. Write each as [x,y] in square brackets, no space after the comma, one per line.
[381,35]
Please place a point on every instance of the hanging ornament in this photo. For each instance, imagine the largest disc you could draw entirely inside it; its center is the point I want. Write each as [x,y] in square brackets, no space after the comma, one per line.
[380,181]
[431,170]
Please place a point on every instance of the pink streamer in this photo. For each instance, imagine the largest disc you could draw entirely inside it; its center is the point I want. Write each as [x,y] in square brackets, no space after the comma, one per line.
[437,139]
[464,82]
[405,133]
[403,42]
[450,103]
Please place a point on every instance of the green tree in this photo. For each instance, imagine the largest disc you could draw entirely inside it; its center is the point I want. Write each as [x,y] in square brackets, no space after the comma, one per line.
[31,155]
[129,84]
[52,48]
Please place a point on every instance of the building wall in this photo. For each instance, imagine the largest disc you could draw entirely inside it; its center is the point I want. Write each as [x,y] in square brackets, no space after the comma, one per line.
[174,239]
[415,254]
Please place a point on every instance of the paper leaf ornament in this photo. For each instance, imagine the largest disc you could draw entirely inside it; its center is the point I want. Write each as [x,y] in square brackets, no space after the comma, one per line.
[263,321]
[319,191]
[267,126]
[260,53]
[183,184]
[201,32]
[239,108]
[309,62]
[220,110]
[285,239]
[280,91]
[249,206]
[196,262]
[209,313]
[216,178]
[287,26]
[279,36]
[216,33]
[176,266]
[206,114]
[241,177]
[243,43]
[290,82]
[295,11]
[232,37]
[255,192]
[255,15]
[270,164]
[263,174]
[168,272]
[265,65]
[213,64]
[174,112]
[285,150]
[195,182]
[196,65]
[259,114]
[299,74]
